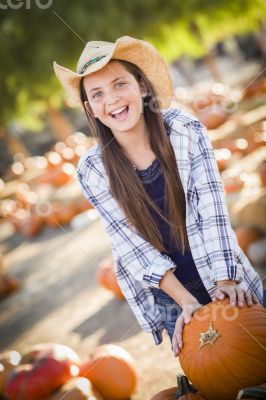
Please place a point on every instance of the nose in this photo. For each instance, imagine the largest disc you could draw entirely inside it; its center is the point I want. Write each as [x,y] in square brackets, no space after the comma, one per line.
[111,99]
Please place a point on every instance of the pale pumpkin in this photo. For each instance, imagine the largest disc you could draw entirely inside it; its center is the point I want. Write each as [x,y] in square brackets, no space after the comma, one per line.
[223,349]
[112,371]
[183,391]
[76,389]
[8,361]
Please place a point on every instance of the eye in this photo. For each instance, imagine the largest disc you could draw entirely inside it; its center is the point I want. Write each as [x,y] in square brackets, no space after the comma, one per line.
[95,95]
[120,83]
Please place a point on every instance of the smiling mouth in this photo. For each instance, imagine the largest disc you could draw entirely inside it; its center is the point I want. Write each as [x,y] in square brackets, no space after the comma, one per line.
[120,115]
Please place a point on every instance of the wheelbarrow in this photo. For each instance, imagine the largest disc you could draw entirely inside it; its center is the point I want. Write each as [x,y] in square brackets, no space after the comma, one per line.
[252,393]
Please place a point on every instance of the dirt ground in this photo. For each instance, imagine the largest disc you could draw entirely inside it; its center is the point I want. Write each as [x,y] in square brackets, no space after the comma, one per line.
[61,302]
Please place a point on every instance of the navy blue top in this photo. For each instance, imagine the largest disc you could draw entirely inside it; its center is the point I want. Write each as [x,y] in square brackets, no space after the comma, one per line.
[186,272]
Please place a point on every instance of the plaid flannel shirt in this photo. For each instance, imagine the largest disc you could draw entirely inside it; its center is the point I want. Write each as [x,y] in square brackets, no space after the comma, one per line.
[213,243]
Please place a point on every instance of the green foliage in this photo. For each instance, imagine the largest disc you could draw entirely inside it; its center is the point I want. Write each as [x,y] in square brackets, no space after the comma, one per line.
[32,38]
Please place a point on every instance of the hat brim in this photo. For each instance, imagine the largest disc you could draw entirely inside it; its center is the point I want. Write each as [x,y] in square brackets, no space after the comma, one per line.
[138,52]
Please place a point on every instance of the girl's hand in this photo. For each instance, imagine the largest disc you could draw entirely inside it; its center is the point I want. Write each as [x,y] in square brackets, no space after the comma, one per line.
[236,294]
[184,318]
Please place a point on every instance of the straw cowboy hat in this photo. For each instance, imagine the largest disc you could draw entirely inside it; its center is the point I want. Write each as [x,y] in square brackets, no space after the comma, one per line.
[97,54]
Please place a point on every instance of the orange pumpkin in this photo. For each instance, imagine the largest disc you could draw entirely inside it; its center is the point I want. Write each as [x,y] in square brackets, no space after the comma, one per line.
[27,222]
[232,184]
[60,214]
[112,371]
[222,350]
[212,118]
[76,389]
[8,284]
[183,391]
[106,278]
[246,235]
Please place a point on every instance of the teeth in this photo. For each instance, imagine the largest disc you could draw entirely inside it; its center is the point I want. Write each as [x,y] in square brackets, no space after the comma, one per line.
[119,110]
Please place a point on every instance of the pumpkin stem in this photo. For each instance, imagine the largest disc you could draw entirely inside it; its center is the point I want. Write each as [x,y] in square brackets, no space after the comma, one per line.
[208,337]
[183,386]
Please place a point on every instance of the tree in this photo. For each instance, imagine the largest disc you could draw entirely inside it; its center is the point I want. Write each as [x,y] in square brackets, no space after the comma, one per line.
[33,37]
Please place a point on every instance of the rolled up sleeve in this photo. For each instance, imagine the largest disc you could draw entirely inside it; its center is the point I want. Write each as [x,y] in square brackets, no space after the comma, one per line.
[138,257]
[213,219]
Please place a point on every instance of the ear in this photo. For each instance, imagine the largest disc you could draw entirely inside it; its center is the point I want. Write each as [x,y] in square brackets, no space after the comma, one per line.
[143,88]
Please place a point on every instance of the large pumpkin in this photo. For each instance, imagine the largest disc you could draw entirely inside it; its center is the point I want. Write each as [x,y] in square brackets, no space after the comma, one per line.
[183,391]
[112,371]
[224,349]
[43,369]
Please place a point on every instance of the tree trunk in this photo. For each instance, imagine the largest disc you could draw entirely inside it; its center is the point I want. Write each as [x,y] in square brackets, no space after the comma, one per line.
[13,143]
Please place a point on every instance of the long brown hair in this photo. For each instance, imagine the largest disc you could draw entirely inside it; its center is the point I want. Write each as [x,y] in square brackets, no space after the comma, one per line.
[125,184]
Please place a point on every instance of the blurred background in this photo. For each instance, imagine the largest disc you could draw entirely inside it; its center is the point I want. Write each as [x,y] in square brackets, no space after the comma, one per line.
[57,283]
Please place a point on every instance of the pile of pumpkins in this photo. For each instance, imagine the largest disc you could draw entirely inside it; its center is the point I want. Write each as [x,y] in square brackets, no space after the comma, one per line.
[223,354]
[29,213]
[34,202]
[52,371]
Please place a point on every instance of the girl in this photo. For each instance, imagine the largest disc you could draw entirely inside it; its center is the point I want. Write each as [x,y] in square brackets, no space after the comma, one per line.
[154,180]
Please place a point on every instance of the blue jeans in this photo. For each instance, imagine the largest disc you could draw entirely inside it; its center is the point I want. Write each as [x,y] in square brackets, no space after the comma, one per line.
[170,310]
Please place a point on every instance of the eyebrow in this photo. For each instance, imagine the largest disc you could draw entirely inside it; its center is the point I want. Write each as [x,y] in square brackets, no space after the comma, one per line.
[114,80]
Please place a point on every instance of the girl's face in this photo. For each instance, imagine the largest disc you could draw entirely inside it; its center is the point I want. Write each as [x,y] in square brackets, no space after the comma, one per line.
[115,97]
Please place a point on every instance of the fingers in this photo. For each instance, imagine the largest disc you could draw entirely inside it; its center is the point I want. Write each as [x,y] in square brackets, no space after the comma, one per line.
[241,296]
[238,296]
[250,297]
[219,294]
[177,342]
[229,291]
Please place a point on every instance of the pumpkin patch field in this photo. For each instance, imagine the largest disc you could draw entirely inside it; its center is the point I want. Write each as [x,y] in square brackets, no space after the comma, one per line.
[66,330]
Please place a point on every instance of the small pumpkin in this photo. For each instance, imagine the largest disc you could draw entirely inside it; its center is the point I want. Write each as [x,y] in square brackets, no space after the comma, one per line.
[183,391]
[60,214]
[222,344]
[213,117]
[27,222]
[8,284]
[112,371]
[246,235]
[106,277]
[232,184]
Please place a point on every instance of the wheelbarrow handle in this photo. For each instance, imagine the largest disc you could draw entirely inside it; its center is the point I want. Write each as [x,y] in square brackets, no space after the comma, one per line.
[254,392]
